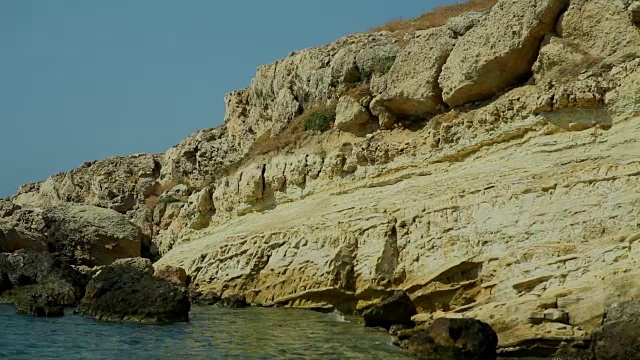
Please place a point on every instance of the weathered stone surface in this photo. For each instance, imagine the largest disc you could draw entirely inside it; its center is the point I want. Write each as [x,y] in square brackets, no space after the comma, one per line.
[127,291]
[396,309]
[198,296]
[461,24]
[634,12]
[88,235]
[596,27]
[481,211]
[39,284]
[350,114]
[412,89]
[454,339]
[618,338]
[233,301]
[111,183]
[37,300]
[172,273]
[91,235]
[500,51]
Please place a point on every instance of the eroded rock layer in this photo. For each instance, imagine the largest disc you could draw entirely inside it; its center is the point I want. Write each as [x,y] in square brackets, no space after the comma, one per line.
[489,168]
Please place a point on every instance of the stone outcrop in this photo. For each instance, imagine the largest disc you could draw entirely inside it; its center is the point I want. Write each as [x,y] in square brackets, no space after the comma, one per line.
[520,210]
[412,89]
[127,291]
[619,334]
[174,274]
[39,284]
[634,12]
[87,235]
[394,310]
[454,339]
[500,51]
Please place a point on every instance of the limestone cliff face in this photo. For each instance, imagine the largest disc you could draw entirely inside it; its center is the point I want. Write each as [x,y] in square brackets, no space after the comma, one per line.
[489,167]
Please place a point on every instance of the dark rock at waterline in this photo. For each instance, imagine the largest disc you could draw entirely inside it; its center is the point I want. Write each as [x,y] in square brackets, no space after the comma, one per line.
[127,291]
[396,309]
[454,339]
[619,336]
[203,298]
[39,283]
[233,301]
[39,300]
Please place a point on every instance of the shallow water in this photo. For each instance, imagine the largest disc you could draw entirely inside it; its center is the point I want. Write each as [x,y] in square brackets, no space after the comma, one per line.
[212,333]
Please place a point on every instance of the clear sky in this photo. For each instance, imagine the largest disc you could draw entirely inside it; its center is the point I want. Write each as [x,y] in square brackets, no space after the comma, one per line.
[82,80]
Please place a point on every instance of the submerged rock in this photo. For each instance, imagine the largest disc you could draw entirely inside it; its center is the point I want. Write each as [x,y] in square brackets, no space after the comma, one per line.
[396,309]
[128,291]
[454,339]
[203,298]
[619,336]
[233,301]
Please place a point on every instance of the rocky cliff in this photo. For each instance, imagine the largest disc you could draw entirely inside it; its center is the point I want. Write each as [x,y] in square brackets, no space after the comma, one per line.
[489,167]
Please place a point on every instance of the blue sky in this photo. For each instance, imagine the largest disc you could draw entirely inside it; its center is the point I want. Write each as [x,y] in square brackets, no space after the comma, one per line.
[82,80]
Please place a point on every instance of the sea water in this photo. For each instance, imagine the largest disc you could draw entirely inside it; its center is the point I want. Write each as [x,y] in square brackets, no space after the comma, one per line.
[212,333]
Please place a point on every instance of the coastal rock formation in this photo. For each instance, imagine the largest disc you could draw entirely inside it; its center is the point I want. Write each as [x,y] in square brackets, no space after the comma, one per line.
[87,235]
[412,89]
[395,310]
[127,291]
[619,334]
[488,168]
[454,339]
[488,59]
[38,284]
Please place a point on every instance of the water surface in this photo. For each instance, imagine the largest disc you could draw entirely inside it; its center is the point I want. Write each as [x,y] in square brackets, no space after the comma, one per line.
[212,333]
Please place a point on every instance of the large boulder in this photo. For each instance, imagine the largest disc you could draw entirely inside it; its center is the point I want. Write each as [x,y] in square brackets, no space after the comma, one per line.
[601,28]
[396,309]
[619,336]
[412,89]
[86,234]
[127,291]
[38,283]
[351,115]
[454,339]
[498,52]
[91,235]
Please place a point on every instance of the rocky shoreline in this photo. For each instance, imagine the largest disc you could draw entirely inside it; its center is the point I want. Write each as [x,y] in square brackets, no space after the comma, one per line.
[469,189]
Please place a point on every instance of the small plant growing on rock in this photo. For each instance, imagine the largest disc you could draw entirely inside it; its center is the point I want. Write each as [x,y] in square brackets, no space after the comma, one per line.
[319,119]
[380,67]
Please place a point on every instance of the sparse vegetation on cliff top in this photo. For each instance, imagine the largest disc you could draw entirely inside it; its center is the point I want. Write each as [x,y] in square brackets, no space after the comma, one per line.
[436,17]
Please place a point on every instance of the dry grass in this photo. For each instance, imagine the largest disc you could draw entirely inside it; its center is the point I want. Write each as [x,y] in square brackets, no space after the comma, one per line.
[290,138]
[436,17]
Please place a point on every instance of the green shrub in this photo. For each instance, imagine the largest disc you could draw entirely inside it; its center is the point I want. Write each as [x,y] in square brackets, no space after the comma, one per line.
[380,67]
[320,120]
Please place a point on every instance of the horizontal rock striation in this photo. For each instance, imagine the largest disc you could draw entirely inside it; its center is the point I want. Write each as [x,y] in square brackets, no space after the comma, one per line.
[488,168]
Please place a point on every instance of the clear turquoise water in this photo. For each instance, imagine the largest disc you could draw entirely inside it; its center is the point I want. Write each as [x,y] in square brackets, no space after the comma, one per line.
[212,333]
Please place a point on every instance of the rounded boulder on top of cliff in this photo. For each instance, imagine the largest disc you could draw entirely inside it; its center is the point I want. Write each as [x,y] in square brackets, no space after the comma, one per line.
[394,310]
[498,52]
[454,339]
[127,291]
